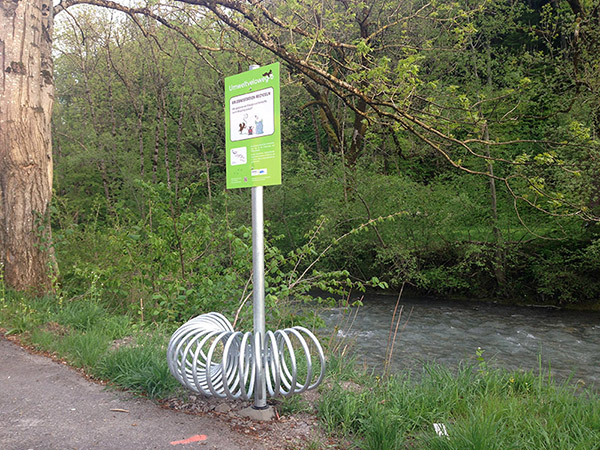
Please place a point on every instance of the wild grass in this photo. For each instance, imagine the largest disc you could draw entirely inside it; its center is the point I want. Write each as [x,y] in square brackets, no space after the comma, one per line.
[140,368]
[83,332]
[81,315]
[294,404]
[481,409]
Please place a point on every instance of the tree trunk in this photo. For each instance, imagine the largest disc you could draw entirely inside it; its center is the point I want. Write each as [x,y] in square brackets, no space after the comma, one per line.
[163,107]
[201,149]
[156,147]
[358,134]
[26,97]
[499,253]
[99,142]
[140,130]
[317,134]
[360,125]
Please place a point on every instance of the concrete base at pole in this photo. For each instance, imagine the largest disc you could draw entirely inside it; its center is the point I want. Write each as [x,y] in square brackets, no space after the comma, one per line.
[258,415]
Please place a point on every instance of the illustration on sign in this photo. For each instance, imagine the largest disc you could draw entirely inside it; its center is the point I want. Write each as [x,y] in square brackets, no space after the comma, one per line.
[252,115]
[252,127]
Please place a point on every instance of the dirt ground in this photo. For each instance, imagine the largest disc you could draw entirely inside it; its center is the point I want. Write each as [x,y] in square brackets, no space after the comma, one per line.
[44,404]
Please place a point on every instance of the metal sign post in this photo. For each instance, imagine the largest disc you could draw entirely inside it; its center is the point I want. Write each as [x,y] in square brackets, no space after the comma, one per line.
[258,285]
[258,266]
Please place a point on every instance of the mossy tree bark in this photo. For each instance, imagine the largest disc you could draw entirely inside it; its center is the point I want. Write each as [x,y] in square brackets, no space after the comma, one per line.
[26,97]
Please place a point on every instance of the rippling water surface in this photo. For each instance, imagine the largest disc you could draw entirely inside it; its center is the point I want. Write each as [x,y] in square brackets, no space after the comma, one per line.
[450,332]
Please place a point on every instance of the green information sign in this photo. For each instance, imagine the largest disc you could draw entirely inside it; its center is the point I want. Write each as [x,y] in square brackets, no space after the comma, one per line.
[252,130]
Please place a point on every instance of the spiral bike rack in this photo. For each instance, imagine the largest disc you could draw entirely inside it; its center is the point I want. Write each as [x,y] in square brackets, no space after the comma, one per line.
[207,356]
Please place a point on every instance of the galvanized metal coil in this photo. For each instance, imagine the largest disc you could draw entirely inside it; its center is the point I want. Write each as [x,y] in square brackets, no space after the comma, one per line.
[207,356]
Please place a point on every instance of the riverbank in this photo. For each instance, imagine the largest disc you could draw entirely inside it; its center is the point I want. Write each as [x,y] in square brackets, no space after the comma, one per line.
[476,404]
[411,292]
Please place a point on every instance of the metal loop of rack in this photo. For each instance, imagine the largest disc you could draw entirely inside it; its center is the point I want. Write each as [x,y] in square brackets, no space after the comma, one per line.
[207,356]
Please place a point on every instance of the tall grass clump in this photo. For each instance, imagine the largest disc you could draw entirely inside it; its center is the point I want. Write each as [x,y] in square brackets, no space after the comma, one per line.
[81,315]
[141,368]
[84,349]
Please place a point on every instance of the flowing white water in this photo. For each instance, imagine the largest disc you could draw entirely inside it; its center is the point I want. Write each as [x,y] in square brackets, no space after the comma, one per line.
[447,332]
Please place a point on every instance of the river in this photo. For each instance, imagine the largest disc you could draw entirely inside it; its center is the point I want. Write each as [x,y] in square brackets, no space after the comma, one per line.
[448,332]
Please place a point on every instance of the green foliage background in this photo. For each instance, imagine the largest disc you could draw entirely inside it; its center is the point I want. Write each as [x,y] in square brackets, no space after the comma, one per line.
[141,213]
